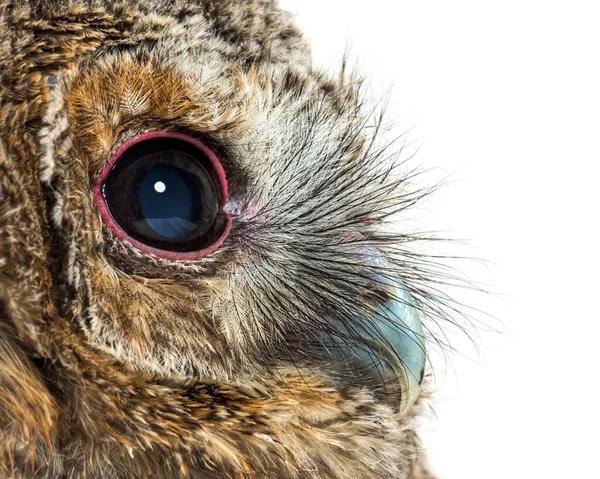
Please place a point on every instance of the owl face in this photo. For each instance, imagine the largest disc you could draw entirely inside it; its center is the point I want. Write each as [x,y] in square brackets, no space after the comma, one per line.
[274,202]
[208,207]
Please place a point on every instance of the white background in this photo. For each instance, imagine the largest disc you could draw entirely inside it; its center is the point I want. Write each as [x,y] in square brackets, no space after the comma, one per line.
[505,97]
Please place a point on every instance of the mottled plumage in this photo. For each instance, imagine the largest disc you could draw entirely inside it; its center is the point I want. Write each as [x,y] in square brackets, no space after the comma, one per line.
[116,363]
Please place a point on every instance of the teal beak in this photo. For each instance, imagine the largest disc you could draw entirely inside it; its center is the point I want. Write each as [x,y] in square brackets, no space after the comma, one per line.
[400,347]
[395,348]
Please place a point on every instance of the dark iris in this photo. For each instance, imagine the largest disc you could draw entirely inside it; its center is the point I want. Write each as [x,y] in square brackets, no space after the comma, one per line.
[161,192]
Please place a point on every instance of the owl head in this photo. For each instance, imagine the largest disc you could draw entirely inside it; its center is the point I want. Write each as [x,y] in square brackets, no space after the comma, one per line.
[198,272]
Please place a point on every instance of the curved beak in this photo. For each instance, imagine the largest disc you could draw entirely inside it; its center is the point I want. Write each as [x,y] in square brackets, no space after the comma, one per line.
[398,347]
[388,345]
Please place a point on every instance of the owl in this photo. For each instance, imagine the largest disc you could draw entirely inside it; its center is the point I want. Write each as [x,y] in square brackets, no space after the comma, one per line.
[200,276]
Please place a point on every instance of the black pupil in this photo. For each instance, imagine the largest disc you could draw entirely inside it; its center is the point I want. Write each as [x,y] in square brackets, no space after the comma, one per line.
[169,201]
[161,192]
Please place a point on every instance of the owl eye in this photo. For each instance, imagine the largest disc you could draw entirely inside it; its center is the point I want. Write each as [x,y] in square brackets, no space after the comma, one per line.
[164,192]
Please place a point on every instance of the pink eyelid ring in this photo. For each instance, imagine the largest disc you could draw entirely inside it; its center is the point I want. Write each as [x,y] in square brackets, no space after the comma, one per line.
[121,234]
